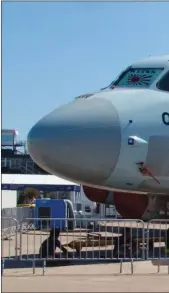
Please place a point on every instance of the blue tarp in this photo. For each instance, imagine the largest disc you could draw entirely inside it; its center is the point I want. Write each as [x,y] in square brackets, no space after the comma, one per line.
[42,187]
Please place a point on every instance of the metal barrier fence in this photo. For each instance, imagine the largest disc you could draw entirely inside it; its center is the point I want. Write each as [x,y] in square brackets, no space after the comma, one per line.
[9,227]
[158,242]
[98,240]
[20,214]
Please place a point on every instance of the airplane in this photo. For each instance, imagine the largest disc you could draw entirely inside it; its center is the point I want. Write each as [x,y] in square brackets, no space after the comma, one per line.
[115,141]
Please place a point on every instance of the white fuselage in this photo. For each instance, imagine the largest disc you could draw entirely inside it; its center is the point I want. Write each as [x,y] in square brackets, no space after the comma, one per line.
[114,139]
[140,115]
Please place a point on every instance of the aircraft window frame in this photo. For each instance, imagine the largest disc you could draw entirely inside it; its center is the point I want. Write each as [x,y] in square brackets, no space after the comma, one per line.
[161,80]
[111,85]
[120,77]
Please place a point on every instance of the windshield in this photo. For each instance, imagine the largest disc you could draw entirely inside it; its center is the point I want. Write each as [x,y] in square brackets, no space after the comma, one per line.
[163,84]
[137,77]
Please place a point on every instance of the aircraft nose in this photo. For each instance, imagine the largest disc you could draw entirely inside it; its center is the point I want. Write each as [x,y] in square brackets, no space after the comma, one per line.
[79,141]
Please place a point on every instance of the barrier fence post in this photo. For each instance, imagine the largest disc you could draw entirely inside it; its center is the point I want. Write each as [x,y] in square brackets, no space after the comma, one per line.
[34,266]
[20,248]
[121,266]
[44,267]
[16,240]
[132,267]
[2,266]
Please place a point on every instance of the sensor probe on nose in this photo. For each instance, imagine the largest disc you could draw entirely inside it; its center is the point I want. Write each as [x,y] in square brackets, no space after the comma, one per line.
[145,171]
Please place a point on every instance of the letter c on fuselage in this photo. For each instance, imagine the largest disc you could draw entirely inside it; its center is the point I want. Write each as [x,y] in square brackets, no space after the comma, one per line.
[165,118]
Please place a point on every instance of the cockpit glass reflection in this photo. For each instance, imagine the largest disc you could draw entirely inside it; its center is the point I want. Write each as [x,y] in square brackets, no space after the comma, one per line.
[138,77]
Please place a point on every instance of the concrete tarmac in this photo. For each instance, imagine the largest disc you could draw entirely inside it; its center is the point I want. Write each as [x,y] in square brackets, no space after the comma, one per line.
[88,278]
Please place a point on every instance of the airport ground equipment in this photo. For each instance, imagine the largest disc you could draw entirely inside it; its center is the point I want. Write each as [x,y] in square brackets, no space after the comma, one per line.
[53,208]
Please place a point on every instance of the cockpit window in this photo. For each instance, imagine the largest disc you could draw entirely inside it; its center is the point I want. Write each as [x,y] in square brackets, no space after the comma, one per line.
[137,77]
[163,84]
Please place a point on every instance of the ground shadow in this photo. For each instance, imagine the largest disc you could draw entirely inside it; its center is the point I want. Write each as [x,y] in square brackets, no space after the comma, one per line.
[85,258]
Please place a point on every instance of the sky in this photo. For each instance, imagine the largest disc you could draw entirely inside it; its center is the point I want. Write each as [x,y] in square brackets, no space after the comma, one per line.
[53,51]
